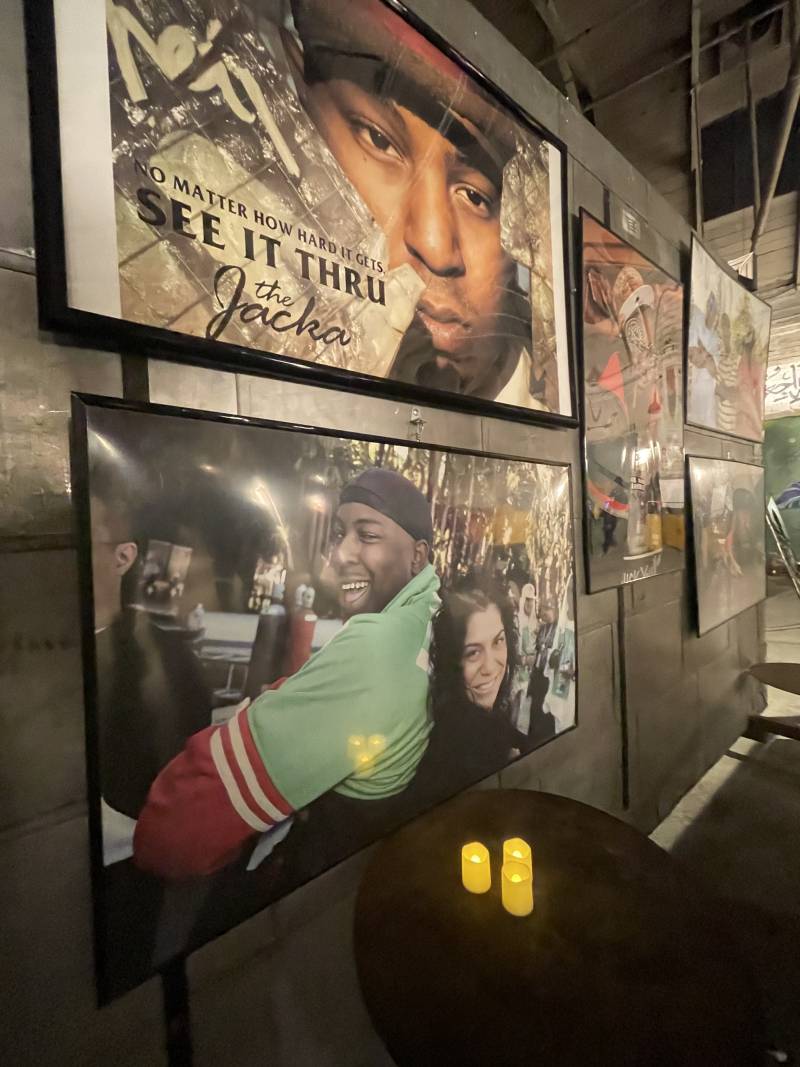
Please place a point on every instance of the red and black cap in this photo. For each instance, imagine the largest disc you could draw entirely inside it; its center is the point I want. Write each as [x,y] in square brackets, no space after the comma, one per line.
[393,496]
[372,46]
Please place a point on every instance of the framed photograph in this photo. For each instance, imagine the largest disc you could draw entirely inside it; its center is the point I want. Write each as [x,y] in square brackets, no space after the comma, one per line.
[727,499]
[318,189]
[294,641]
[632,412]
[726,351]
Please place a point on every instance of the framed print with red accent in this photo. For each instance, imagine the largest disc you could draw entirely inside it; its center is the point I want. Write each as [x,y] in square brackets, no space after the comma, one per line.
[632,379]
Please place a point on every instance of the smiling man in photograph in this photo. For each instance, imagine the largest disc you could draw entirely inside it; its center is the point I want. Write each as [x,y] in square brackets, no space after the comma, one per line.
[426,151]
[352,720]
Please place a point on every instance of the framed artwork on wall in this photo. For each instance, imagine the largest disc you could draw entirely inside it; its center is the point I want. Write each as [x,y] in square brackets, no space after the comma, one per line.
[295,640]
[319,189]
[726,351]
[728,522]
[632,332]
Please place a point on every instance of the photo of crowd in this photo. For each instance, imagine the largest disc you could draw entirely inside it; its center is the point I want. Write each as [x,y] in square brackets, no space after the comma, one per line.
[299,641]
[729,538]
[633,415]
[728,344]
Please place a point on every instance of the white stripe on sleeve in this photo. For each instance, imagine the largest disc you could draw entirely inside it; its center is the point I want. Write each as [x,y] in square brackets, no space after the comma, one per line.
[231,788]
[239,751]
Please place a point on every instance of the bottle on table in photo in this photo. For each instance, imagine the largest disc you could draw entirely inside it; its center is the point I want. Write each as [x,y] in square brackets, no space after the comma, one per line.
[301,630]
[269,645]
[196,619]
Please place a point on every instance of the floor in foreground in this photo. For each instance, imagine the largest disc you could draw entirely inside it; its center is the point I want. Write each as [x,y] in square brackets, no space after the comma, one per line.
[738,833]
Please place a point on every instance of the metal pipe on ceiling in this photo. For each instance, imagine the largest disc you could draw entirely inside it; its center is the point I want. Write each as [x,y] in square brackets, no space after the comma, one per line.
[753,120]
[686,57]
[792,98]
[695,133]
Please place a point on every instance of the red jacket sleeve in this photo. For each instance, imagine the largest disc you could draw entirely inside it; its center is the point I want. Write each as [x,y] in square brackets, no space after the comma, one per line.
[206,803]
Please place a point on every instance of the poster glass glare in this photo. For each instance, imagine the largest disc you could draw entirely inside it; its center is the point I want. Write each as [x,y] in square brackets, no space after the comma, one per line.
[727,350]
[632,412]
[728,524]
[294,642]
[313,181]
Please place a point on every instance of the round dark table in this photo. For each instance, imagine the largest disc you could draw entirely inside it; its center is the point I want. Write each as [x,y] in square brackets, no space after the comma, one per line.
[622,962]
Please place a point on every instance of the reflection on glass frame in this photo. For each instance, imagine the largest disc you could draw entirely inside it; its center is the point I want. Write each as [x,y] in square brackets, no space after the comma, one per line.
[354,629]
[726,352]
[320,188]
[783,543]
[728,523]
[632,412]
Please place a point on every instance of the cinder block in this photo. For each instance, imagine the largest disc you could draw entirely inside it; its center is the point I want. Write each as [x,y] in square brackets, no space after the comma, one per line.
[652,592]
[182,385]
[330,409]
[652,654]
[698,652]
[38,377]
[16,221]
[42,764]
[663,738]
[599,609]
[532,442]
[49,1005]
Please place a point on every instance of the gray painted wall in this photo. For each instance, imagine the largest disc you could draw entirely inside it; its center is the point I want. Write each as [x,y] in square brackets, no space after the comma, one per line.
[281,989]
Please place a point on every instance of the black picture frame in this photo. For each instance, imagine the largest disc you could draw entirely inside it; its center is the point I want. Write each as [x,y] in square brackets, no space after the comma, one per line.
[583,214]
[120,335]
[109,988]
[726,272]
[691,538]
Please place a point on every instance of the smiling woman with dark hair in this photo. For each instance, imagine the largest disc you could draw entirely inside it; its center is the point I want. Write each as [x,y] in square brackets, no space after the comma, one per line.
[474,650]
[474,655]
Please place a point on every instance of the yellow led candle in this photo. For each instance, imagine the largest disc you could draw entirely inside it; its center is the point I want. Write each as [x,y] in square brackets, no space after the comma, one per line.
[515,850]
[517,889]
[476,871]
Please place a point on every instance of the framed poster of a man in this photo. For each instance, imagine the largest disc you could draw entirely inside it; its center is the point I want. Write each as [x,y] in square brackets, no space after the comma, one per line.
[727,351]
[357,629]
[633,412]
[319,188]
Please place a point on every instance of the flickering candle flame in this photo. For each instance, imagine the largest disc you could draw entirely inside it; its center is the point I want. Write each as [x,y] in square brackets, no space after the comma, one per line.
[476,871]
[515,850]
[517,888]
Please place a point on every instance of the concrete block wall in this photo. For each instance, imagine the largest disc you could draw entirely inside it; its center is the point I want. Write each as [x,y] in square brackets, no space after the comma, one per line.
[657,705]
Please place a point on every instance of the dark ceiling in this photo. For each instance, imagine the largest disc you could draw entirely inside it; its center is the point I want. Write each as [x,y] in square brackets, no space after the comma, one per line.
[627,65]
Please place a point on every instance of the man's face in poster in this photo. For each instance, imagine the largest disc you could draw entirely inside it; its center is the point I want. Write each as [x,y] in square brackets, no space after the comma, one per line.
[439,206]
[373,558]
[430,177]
